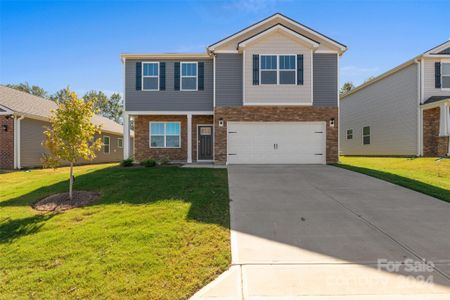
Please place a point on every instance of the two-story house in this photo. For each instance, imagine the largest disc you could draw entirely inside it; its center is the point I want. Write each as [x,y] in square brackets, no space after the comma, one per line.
[403,112]
[266,94]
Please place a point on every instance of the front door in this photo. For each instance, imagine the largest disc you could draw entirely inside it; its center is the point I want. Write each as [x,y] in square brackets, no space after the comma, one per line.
[205,142]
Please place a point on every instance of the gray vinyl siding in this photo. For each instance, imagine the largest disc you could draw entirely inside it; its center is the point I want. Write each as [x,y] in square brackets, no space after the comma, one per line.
[389,107]
[325,79]
[31,150]
[229,79]
[169,99]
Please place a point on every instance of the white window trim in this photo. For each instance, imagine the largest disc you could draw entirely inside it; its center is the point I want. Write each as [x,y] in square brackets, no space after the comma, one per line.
[181,76]
[109,144]
[164,135]
[444,61]
[142,72]
[277,70]
[118,144]
[369,135]
[346,134]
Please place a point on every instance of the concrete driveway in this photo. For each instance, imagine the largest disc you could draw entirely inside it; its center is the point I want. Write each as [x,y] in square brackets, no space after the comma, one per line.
[320,232]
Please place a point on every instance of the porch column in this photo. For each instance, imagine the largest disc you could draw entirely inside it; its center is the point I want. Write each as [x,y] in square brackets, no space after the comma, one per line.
[189,138]
[444,119]
[126,136]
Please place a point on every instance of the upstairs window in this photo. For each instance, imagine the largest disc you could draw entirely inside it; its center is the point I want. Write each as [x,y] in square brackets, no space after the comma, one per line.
[287,69]
[445,75]
[268,69]
[188,78]
[150,76]
[366,135]
[349,134]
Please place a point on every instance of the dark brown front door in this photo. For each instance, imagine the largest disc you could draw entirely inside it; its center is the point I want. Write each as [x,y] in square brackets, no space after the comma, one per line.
[205,142]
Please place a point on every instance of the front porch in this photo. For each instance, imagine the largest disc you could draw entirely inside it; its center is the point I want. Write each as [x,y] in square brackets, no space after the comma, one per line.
[185,137]
[436,127]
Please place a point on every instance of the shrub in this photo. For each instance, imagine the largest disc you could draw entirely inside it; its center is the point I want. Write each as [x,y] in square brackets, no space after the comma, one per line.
[127,162]
[164,160]
[148,163]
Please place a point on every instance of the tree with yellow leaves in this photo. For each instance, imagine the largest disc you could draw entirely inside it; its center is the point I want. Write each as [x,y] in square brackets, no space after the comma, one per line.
[71,136]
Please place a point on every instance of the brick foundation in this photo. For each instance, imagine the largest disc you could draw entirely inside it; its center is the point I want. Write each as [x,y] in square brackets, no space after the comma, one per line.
[6,143]
[433,144]
[273,114]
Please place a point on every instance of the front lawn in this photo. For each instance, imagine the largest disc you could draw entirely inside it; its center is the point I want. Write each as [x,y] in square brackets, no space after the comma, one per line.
[430,176]
[156,233]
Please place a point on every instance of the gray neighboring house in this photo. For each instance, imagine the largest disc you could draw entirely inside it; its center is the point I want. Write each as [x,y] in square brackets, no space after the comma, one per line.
[403,112]
[267,94]
[22,120]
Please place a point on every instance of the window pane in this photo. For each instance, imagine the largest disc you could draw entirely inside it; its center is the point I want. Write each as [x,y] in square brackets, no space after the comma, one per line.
[106,140]
[445,68]
[287,62]
[106,149]
[157,128]
[172,141]
[189,69]
[173,128]
[151,69]
[446,82]
[287,77]
[366,130]
[157,141]
[268,77]
[268,62]
[189,83]
[150,83]
[366,140]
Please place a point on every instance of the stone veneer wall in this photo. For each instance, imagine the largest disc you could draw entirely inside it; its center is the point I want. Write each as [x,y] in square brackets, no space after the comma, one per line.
[6,143]
[433,144]
[272,114]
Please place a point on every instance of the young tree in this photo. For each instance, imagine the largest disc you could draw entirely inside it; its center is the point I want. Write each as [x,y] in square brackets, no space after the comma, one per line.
[33,89]
[346,87]
[71,136]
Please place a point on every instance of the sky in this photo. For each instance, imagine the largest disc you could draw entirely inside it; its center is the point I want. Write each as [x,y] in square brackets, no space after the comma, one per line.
[55,44]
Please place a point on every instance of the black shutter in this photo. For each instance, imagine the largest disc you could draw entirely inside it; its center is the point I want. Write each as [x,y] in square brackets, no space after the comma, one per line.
[437,75]
[299,69]
[255,69]
[162,76]
[201,76]
[176,76]
[138,76]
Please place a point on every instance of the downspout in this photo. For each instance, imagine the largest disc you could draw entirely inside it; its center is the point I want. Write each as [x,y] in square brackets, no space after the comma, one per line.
[17,138]
[419,109]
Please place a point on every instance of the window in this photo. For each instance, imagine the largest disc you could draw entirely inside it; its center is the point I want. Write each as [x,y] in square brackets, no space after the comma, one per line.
[150,76]
[106,144]
[287,69]
[366,135]
[188,76]
[119,143]
[349,134]
[268,69]
[445,75]
[165,135]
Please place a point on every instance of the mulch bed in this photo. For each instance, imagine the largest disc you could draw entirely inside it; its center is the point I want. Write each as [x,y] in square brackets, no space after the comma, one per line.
[61,202]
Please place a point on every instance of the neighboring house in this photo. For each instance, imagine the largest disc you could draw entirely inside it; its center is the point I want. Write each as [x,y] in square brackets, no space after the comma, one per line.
[403,112]
[22,120]
[267,94]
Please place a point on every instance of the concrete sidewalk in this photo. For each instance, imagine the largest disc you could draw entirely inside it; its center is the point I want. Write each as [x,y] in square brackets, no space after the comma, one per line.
[318,232]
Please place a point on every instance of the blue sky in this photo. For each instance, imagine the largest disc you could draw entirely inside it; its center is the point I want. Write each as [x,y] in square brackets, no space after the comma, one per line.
[58,43]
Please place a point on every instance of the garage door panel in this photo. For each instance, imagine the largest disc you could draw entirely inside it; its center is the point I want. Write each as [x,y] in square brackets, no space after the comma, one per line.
[276,142]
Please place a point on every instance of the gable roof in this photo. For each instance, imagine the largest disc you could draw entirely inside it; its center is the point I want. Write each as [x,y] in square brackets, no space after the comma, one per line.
[283,17]
[35,107]
[283,28]
[439,49]
[428,53]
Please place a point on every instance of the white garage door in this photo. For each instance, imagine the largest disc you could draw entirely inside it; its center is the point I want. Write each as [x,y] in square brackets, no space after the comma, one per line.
[276,142]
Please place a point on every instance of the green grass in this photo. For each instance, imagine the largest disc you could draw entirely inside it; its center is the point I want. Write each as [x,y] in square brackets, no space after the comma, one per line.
[156,233]
[430,176]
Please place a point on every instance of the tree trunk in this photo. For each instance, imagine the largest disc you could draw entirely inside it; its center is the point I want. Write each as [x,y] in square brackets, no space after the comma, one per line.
[71,181]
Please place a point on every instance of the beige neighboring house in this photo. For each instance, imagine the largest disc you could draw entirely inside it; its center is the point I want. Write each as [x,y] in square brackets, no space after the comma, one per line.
[22,121]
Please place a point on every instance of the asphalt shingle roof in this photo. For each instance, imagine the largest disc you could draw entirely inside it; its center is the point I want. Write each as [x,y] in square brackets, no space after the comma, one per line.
[436,99]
